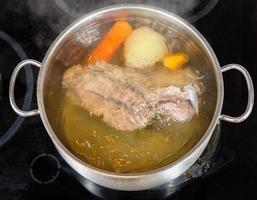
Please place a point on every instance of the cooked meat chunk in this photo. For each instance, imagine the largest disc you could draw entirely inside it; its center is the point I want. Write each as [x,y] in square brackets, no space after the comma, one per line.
[129,99]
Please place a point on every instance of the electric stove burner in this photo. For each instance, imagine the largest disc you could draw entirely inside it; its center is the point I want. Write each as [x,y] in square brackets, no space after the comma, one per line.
[11,53]
[45,168]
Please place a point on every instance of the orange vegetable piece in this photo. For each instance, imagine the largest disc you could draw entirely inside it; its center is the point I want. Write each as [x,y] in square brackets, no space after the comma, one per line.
[175,61]
[111,42]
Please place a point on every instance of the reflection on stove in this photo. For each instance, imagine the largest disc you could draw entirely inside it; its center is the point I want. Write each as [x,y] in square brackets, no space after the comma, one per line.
[12,53]
[1,85]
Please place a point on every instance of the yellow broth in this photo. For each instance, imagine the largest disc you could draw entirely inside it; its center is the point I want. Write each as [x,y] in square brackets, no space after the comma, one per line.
[146,149]
[98,144]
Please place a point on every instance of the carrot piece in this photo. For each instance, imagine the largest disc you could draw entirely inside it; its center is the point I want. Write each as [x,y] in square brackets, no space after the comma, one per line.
[175,61]
[111,42]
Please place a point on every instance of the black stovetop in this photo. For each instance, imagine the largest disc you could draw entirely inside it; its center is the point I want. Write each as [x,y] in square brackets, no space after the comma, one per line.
[27,29]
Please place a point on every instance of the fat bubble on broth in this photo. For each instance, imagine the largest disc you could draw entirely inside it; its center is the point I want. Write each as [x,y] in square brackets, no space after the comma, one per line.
[128,120]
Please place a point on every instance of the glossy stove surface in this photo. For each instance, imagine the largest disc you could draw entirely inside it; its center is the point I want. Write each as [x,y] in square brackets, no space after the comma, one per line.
[30,167]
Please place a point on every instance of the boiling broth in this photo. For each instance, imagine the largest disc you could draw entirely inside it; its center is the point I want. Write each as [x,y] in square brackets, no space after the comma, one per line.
[104,147]
[101,146]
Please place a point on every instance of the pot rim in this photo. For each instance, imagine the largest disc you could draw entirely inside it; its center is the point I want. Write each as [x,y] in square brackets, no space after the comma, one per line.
[120,7]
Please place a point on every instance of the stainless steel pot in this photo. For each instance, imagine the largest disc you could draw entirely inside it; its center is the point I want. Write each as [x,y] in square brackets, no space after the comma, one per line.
[48,75]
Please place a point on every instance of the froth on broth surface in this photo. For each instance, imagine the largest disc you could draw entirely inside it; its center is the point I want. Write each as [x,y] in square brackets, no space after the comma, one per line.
[97,143]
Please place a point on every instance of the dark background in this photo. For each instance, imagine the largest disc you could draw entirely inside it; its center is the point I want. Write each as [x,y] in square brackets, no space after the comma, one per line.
[231,30]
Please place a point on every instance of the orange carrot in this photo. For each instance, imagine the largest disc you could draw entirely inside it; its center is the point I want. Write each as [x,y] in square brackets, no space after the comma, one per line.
[175,61]
[111,42]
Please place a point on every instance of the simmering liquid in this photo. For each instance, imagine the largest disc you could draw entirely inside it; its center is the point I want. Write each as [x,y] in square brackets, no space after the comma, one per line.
[98,144]
[149,148]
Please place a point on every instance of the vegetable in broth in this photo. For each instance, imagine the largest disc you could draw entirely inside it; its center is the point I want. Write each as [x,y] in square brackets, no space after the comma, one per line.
[130,114]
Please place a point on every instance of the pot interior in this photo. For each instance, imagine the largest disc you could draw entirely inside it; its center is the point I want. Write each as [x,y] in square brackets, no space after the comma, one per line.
[73,47]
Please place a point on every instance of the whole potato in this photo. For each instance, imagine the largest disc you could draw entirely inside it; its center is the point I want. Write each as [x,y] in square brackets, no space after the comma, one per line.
[144,47]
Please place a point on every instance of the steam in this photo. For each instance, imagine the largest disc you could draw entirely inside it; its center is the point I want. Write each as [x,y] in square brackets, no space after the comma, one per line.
[58,14]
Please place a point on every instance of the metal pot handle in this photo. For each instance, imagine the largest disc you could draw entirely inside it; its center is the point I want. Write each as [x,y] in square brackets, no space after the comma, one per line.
[12,86]
[250,90]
